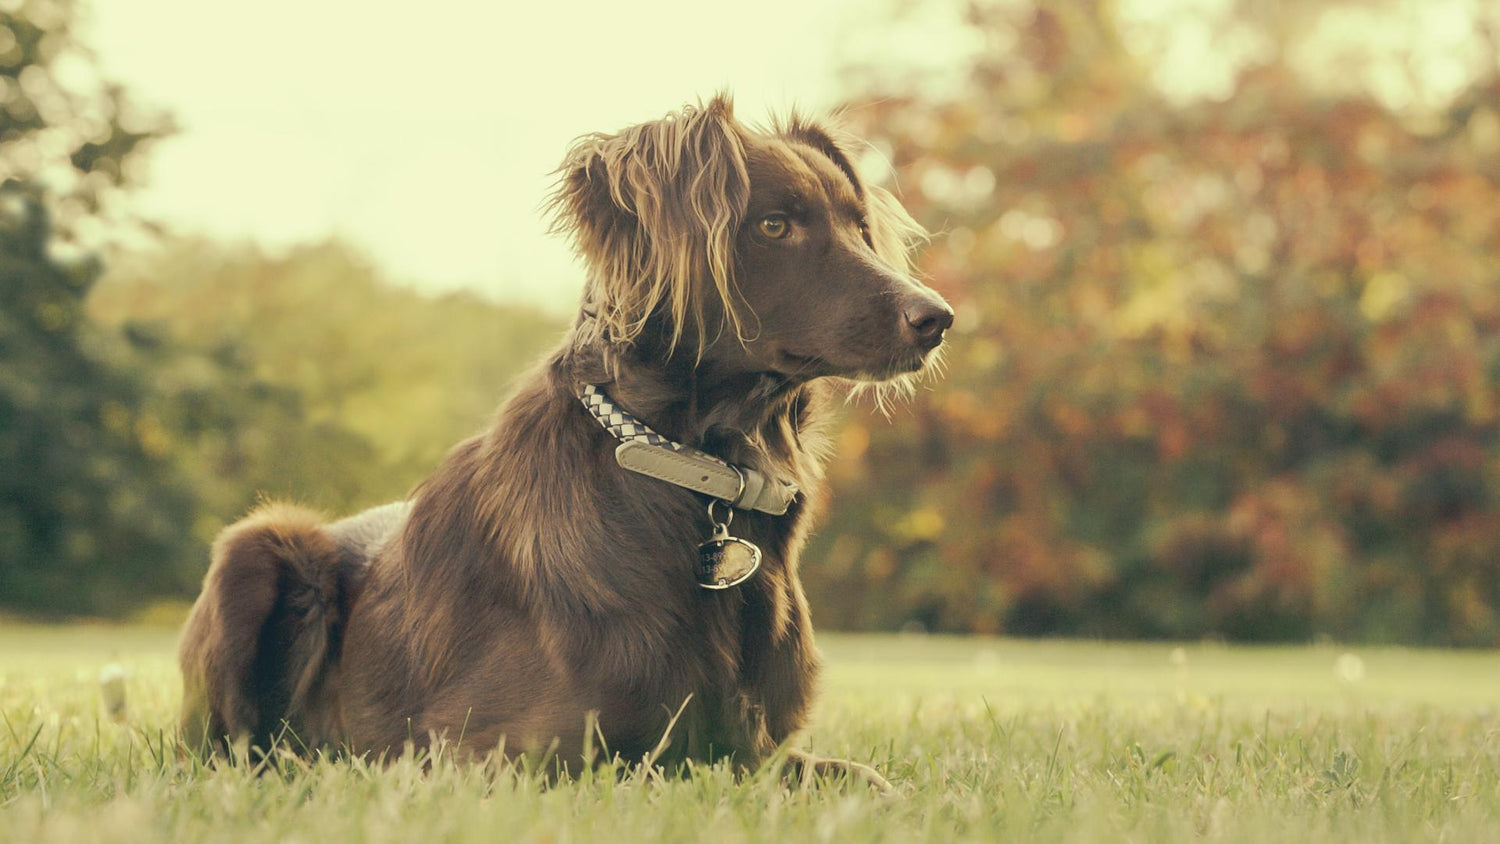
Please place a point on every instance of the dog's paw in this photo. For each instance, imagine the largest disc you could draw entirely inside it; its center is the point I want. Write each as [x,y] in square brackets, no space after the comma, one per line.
[806,770]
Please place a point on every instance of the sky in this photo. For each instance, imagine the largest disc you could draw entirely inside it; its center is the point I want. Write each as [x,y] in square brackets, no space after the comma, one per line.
[426,134]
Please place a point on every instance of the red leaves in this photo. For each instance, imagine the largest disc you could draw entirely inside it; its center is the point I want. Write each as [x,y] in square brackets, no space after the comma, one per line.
[1250,387]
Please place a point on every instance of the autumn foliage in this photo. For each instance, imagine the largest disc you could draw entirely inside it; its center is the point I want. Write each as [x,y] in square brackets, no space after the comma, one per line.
[1224,365]
[1224,369]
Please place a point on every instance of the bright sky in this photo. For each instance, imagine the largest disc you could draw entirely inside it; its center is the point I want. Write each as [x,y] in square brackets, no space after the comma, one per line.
[426,133]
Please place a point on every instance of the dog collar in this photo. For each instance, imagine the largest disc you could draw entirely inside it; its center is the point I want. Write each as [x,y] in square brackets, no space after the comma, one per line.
[646,452]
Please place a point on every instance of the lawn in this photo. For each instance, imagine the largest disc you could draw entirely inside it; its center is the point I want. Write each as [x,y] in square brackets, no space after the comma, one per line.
[986,739]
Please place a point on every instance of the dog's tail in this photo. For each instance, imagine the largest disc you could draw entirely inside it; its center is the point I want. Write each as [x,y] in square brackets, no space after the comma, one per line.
[257,646]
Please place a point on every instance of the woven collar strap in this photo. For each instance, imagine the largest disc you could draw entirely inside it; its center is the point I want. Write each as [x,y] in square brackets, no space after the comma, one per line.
[644,451]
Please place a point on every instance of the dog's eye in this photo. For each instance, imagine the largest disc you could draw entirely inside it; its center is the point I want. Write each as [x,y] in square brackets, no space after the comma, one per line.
[775,226]
[864,232]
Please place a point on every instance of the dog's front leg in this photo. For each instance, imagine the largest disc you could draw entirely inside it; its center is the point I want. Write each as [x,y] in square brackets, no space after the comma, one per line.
[805,769]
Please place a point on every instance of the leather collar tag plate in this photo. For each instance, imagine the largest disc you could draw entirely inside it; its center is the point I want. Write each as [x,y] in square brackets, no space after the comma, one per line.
[644,451]
[724,561]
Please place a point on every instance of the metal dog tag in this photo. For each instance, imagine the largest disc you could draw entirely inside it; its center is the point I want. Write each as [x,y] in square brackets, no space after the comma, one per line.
[725,561]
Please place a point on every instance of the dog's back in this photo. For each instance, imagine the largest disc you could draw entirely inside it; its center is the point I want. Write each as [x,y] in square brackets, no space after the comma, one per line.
[260,643]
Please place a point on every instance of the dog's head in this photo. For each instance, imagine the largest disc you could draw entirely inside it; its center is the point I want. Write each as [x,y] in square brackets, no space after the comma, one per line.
[758,250]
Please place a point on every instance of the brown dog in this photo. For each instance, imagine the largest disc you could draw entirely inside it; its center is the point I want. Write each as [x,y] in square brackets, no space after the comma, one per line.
[533,585]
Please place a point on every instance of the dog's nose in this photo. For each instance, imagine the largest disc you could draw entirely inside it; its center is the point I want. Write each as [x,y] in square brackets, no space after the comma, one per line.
[927,320]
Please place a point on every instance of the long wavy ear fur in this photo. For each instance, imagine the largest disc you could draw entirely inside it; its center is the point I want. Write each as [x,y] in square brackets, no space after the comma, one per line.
[653,210]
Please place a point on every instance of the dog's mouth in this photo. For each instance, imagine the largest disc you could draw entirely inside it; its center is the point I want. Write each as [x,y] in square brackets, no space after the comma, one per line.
[911,362]
[792,363]
[800,365]
[903,365]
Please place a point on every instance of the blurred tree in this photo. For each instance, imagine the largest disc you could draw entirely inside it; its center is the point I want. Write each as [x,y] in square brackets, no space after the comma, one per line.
[141,414]
[91,518]
[1222,368]
[307,375]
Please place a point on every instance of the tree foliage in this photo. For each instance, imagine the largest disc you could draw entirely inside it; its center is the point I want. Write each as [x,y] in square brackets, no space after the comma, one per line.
[92,515]
[1224,366]
[307,376]
[141,414]
[1221,369]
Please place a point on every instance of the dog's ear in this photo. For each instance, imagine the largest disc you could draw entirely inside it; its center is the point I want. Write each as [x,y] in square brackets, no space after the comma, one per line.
[653,210]
[893,232]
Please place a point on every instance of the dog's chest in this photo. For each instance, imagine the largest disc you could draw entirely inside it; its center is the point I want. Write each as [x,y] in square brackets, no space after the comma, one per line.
[718,663]
[731,700]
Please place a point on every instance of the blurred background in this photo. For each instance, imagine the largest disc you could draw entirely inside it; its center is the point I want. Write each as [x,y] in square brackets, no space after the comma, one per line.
[1227,274]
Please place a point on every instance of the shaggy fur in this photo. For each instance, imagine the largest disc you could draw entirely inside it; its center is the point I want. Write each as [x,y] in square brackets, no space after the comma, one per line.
[531,587]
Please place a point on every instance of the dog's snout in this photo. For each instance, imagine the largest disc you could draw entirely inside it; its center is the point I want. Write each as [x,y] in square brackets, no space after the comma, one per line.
[926,320]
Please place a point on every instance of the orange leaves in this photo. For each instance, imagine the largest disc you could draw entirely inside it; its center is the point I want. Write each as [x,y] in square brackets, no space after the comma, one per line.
[1234,368]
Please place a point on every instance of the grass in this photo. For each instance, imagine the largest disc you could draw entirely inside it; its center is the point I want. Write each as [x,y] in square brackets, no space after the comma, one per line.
[987,739]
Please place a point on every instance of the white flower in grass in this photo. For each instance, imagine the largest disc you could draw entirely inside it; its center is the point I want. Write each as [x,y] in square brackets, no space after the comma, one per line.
[112,683]
[1349,668]
[1179,659]
[987,659]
